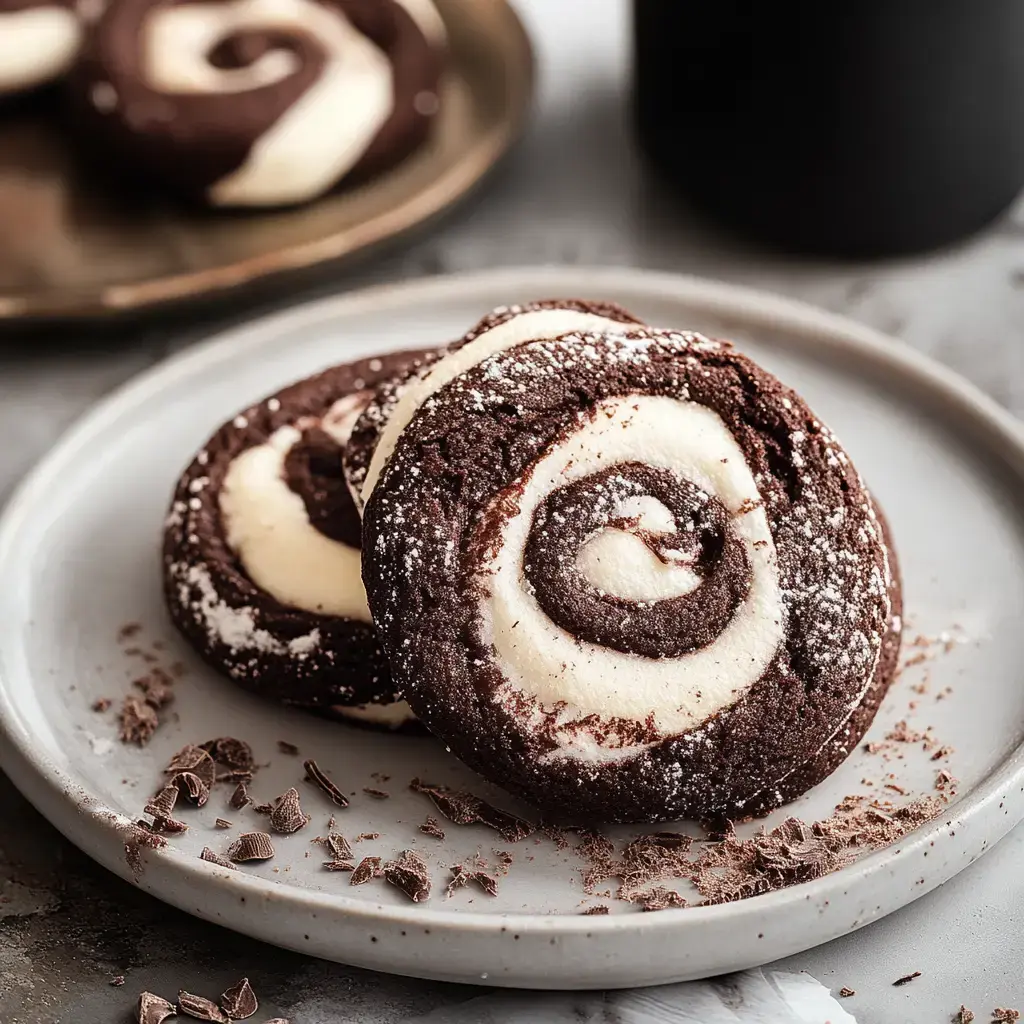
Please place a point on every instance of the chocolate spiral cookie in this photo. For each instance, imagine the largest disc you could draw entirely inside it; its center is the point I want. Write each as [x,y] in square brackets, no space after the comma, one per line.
[261,552]
[637,578]
[262,102]
[39,42]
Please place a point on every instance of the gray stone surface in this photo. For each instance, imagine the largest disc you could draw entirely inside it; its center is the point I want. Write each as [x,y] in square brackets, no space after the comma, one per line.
[572,193]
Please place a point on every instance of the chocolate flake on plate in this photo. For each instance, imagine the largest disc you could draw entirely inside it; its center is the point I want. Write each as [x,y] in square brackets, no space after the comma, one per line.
[239,1001]
[117,981]
[845,992]
[223,823]
[463,808]
[286,814]
[154,1009]
[431,828]
[162,805]
[195,760]
[339,865]
[367,835]
[193,787]
[156,688]
[963,1015]
[215,858]
[137,721]
[409,873]
[367,868]
[231,753]
[597,911]
[316,775]
[251,846]
[906,979]
[201,1008]
[240,796]
[287,748]
[473,870]
[101,703]
[127,632]
[1005,1015]
[337,844]
[377,794]
[658,898]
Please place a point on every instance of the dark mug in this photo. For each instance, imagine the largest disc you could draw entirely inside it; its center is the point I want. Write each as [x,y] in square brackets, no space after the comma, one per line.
[864,128]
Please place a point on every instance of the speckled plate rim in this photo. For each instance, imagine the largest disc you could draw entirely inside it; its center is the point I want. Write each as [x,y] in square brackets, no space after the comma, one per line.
[895,875]
[416,209]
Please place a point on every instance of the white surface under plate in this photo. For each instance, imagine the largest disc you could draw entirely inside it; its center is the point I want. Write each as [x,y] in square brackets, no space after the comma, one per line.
[79,558]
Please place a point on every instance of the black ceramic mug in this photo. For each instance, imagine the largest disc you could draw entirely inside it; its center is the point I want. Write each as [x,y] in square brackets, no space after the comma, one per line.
[864,127]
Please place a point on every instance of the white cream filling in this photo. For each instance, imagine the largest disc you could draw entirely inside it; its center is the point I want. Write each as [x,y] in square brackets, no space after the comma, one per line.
[325,131]
[618,562]
[543,661]
[530,326]
[428,18]
[391,716]
[266,525]
[36,45]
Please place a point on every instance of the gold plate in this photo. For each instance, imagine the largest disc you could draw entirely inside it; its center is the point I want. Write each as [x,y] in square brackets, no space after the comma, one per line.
[72,246]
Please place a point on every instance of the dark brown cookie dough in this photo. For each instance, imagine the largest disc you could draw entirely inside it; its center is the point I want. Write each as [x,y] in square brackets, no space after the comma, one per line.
[367,430]
[800,587]
[325,663]
[207,122]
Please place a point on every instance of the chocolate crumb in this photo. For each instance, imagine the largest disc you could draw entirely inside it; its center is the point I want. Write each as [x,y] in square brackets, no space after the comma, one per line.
[473,870]
[195,760]
[377,794]
[101,704]
[598,911]
[906,979]
[431,828]
[215,858]
[367,868]
[239,1001]
[367,835]
[231,753]
[286,813]
[1005,1015]
[223,823]
[154,1009]
[847,992]
[137,721]
[251,846]
[200,1008]
[463,808]
[409,873]
[117,981]
[126,632]
[240,797]
[156,688]
[316,775]
[658,898]
[963,1015]
[287,748]
[193,787]
[941,753]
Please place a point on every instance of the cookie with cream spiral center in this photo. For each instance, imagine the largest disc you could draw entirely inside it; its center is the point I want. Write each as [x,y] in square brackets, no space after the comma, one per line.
[636,578]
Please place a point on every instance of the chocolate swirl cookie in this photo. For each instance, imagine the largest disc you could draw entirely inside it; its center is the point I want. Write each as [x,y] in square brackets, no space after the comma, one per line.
[638,579]
[262,102]
[261,552]
[39,41]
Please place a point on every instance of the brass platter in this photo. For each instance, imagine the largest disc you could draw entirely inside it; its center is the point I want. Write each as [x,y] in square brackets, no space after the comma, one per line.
[74,244]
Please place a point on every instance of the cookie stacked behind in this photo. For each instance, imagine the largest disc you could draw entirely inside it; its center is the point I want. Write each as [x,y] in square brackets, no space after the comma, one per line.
[622,572]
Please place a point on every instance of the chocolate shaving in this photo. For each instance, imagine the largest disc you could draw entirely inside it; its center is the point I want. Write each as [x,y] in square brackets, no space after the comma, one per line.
[156,688]
[658,898]
[367,835]
[287,748]
[1005,1015]
[409,873]
[377,794]
[316,775]
[170,826]
[339,865]
[846,992]
[126,632]
[162,805]
[251,846]
[286,813]
[195,760]
[137,721]
[556,835]
[463,808]
[505,860]
[101,703]
[240,797]
[337,844]
[215,858]
[431,828]
[138,838]
[200,1008]
[193,787]
[239,1001]
[598,911]
[963,1015]
[222,823]
[117,981]
[906,979]
[367,868]
[231,753]
[474,870]
[154,1009]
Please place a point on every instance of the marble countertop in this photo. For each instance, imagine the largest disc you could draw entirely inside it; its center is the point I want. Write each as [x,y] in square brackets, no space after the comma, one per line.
[573,192]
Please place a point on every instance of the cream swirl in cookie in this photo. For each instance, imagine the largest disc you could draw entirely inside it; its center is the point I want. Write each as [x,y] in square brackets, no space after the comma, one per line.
[38,42]
[263,102]
[261,554]
[637,578]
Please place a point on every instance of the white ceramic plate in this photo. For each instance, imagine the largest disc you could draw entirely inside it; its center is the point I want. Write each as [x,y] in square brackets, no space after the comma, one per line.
[79,558]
